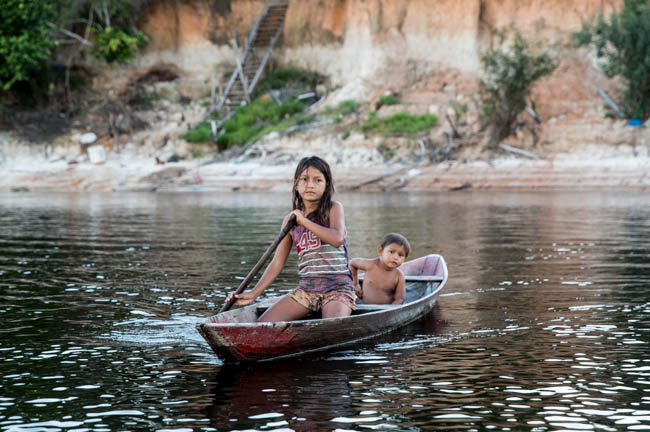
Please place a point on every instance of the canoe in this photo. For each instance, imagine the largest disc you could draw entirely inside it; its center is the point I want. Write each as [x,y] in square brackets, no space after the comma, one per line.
[235,336]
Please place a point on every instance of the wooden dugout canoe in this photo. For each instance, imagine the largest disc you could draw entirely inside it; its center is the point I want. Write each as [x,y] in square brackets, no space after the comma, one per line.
[235,335]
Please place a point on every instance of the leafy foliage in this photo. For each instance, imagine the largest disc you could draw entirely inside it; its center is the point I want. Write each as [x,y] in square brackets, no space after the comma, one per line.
[283,78]
[24,43]
[344,108]
[387,100]
[117,45]
[399,124]
[31,30]
[508,76]
[251,122]
[624,45]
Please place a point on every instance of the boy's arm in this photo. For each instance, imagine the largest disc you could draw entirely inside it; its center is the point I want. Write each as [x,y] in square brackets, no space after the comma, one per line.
[400,289]
[355,265]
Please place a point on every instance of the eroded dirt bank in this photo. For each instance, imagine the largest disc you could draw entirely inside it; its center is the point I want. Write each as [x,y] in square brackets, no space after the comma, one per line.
[425,52]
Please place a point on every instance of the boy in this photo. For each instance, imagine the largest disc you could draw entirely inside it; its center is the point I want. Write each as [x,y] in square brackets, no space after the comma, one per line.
[384,282]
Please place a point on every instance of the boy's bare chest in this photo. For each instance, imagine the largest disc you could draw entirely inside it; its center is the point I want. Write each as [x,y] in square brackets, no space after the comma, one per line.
[380,280]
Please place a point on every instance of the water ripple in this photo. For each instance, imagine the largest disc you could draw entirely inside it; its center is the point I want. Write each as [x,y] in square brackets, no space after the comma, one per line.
[542,326]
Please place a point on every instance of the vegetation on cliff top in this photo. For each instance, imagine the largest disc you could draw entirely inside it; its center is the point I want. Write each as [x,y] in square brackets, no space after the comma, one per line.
[36,32]
[623,42]
[24,41]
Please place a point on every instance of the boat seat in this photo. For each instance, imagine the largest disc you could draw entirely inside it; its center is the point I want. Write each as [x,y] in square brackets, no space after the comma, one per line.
[365,308]
[360,309]
[261,309]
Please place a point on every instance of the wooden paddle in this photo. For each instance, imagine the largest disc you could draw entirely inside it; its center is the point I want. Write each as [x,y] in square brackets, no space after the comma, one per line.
[290,224]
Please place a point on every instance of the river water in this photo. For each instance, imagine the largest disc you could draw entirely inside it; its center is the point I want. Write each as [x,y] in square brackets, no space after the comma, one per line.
[544,323]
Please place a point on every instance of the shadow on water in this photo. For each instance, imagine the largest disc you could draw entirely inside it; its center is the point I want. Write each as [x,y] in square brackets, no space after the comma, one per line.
[290,392]
[321,391]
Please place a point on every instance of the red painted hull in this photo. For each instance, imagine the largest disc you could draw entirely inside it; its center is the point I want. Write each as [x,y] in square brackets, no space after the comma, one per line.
[236,336]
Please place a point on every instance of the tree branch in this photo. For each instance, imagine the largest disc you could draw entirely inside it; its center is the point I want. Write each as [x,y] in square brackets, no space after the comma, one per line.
[69,33]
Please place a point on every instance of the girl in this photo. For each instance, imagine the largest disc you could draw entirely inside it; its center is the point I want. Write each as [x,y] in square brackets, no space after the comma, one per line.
[325,279]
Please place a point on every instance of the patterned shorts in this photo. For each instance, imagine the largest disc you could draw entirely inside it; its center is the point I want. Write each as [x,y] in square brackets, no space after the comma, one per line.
[315,301]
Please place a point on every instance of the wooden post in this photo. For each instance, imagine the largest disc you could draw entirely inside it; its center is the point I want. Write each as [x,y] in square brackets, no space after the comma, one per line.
[610,102]
[213,87]
[240,68]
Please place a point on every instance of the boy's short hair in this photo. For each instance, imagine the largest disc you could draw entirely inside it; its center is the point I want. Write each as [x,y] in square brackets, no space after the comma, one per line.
[397,239]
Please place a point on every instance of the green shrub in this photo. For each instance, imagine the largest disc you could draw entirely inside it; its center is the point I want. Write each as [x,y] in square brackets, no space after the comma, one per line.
[387,100]
[263,115]
[24,42]
[251,122]
[284,77]
[399,124]
[347,107]
[342,109]
[200,134]
[624,45]
[118,45]
[508,77]
[255,120]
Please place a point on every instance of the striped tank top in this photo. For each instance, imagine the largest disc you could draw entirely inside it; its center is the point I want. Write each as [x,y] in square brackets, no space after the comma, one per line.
[321,266]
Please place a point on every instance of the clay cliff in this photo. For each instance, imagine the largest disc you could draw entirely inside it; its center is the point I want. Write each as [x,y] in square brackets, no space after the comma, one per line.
[394,40]
[428,51]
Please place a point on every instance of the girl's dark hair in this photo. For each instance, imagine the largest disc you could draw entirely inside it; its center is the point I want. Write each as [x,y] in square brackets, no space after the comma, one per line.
[398,239]
[321,214]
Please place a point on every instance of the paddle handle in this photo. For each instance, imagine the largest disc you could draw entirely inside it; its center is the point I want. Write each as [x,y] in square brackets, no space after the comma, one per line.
[285,230]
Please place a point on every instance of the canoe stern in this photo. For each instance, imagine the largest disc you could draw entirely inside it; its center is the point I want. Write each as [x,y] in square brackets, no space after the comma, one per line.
[249,343]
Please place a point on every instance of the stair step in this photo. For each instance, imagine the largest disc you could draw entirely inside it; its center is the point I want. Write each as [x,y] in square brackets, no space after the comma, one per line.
[268,27]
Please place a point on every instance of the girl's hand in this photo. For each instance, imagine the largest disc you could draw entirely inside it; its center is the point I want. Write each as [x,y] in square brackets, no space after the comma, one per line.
[243,299]
[300,216]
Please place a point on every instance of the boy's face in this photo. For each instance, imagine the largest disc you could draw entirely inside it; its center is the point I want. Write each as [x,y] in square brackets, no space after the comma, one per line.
[392,256]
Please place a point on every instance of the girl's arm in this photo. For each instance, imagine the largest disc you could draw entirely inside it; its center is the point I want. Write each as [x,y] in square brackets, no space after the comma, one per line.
[400,290]
[335,234]
[272,271]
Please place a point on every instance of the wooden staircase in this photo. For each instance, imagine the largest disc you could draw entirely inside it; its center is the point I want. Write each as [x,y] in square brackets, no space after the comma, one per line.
[263,36]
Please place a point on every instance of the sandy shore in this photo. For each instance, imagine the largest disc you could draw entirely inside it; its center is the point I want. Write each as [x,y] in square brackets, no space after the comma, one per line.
[130,173]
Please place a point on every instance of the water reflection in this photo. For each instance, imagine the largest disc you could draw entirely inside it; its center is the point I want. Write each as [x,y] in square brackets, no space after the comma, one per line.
[543,324]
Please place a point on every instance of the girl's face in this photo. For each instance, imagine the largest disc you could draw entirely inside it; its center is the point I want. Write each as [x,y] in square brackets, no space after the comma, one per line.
[311,184]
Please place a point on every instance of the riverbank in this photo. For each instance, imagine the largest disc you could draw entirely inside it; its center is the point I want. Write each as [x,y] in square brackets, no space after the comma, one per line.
[592,168]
